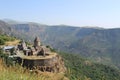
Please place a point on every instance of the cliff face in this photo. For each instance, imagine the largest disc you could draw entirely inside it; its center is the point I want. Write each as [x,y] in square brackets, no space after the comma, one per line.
[4,27]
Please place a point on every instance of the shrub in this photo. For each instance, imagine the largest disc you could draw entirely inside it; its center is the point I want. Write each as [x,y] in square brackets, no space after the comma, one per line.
[2,42]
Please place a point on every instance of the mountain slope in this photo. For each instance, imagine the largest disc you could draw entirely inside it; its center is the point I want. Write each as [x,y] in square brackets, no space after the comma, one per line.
[83,69]
[97,44]
[4,27]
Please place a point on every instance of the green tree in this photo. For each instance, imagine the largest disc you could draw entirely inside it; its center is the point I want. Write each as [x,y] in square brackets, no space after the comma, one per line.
[2,42]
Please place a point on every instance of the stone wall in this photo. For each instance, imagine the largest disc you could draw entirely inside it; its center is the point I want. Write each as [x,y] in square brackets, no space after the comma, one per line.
[54,64]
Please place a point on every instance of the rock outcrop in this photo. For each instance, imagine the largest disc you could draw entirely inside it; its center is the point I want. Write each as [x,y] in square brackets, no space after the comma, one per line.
[52,64]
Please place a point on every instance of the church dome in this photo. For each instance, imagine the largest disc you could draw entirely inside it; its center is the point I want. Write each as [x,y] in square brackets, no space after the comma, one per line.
[37,42]
[37,39]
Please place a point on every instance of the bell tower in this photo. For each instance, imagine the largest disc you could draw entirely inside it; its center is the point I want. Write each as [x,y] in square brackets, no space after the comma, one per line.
[37,42]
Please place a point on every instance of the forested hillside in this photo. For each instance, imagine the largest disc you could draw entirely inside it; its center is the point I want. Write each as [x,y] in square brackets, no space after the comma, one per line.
[83,69]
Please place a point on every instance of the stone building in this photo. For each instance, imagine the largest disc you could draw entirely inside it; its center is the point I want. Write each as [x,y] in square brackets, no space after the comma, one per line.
[39,57]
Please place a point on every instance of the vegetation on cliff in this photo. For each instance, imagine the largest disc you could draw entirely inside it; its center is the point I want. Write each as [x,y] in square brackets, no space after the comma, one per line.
[82,69]
[5,38]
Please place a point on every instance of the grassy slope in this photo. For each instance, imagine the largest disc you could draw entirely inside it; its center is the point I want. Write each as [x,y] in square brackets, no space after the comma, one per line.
[6,40]
[20,73]
[15,42]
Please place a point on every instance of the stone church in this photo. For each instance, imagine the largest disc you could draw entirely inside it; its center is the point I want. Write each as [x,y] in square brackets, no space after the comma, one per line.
[39,57]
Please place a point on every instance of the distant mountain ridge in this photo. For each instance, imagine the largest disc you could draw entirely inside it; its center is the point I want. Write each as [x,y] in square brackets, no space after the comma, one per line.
[4,27]
[97,44]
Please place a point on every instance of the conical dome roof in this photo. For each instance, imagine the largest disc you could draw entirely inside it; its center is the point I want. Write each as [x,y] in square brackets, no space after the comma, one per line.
[37,39]
[37,42]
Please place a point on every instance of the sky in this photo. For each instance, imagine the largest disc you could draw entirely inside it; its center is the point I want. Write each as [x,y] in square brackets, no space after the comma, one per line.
[101,13]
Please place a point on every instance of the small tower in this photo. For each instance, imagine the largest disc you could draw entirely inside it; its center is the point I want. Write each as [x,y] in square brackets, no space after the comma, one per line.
[23,44]
[37,42]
